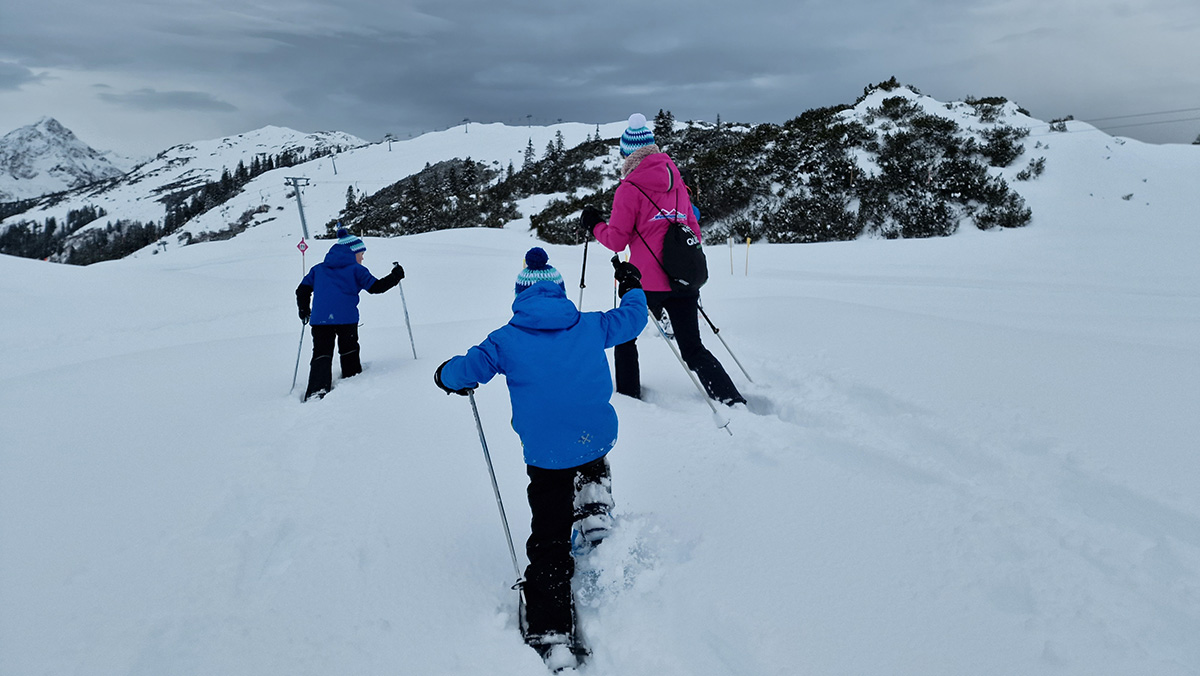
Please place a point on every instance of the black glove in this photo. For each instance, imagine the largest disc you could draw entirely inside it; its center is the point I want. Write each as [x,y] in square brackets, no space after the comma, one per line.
[397,272]
[627,276]
[304,294]
[589,218]
[437,379]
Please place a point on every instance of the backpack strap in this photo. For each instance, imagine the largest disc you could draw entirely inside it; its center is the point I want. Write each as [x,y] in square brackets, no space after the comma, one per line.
[660,210]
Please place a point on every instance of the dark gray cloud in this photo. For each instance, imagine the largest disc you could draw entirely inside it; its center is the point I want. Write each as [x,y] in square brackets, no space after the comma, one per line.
[14,76]
[410,66]
[150,99]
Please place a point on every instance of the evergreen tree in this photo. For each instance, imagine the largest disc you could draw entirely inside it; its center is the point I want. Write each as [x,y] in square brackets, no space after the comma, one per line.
[664,128]
[530,156]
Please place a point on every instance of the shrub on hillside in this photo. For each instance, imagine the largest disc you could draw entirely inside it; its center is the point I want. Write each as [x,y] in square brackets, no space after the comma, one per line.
[1002,144]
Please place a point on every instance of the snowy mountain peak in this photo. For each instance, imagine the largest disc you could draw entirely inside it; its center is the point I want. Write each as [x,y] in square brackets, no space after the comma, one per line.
[51,126]
[46,157]
[269,139]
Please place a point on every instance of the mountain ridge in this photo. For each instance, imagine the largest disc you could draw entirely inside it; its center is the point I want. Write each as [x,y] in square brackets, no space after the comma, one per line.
[895,164]
[46,157]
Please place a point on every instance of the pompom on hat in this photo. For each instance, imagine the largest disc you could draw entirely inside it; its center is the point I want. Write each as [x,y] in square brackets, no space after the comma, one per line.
[537,269]
[636,136]
[356,245]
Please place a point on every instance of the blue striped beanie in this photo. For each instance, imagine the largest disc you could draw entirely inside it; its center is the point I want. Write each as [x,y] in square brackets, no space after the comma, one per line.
[356,245]
[636,136]
[537,269]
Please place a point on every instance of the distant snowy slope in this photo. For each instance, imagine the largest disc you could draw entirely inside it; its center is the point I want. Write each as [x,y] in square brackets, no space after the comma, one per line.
[373,167]
[47,157]
[138,195]
[268,197]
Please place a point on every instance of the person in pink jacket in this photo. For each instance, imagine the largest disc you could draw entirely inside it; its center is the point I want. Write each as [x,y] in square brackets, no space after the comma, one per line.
[651,196]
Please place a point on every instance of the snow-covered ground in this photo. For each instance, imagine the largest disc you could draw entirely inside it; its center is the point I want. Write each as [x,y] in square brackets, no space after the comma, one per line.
[971,455]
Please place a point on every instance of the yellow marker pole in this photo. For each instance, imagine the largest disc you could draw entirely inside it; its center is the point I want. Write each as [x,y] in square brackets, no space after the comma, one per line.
[747,255]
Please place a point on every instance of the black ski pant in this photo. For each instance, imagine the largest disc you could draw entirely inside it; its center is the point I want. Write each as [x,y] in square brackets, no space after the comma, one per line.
[320,370]
[683,309]
[549,606]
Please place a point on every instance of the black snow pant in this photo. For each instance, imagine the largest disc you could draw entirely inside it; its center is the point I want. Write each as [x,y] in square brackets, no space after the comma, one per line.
[320,371]
[683,311]
[549,606]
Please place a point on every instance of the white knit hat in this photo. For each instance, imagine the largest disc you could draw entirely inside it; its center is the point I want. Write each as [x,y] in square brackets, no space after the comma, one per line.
[636,136]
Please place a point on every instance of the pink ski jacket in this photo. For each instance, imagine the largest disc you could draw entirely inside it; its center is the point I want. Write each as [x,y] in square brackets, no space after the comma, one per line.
[659,179]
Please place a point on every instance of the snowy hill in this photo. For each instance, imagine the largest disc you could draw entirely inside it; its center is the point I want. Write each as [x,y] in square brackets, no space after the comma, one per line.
[964,455]
[46,157]
[895,164]
[142,194]
[372,167]
[139,195]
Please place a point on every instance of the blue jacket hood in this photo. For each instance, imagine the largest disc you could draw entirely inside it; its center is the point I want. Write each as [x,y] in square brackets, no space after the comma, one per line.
[544,306]
[340,256]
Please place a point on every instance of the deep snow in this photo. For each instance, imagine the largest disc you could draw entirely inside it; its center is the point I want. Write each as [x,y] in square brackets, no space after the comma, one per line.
[970,455]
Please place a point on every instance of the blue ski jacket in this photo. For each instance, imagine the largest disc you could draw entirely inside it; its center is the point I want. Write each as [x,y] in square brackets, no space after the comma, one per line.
[336,284]
[552,356]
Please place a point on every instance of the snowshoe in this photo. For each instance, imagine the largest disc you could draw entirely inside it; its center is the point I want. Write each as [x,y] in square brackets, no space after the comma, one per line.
[580,547]
[559,657]
[593,511]
[665,323]
[594,527]
[562,653]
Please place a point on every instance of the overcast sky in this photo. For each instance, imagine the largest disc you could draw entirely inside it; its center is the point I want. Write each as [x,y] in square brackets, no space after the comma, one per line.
[137,76]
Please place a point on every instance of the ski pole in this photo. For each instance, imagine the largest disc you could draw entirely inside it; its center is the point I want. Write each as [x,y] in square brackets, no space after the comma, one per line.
[583,273]
[406,322]
[717,333]
[616,287]
[496,488]
[296,371]
[722,421]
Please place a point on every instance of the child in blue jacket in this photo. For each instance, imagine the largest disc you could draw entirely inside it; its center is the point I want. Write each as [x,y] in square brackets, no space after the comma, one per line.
[333,287]
[552,356]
